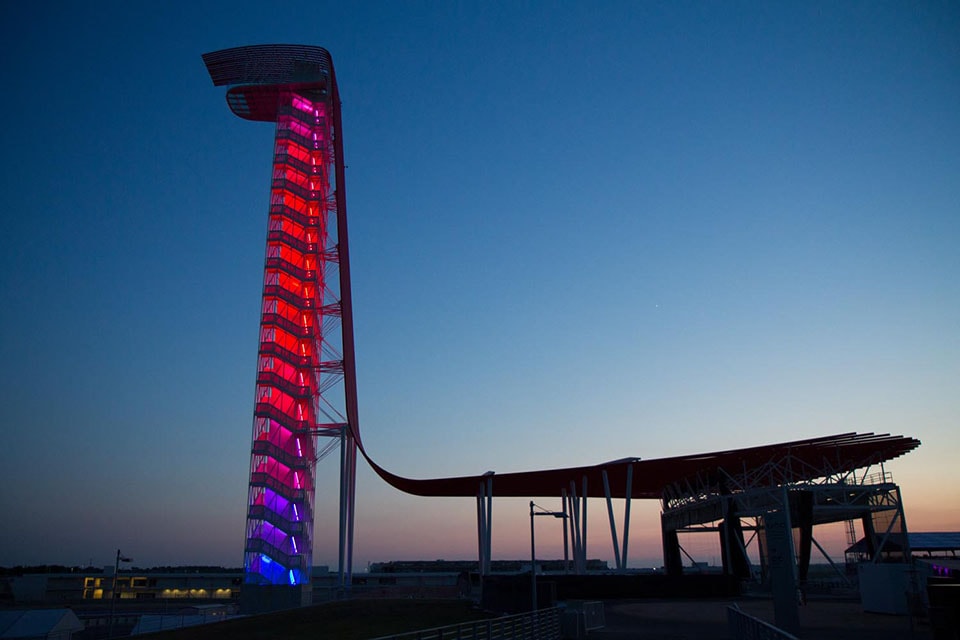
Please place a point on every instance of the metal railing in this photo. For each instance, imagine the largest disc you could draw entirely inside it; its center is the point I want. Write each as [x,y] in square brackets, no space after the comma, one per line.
[745,627]
[879,477]
[543,624]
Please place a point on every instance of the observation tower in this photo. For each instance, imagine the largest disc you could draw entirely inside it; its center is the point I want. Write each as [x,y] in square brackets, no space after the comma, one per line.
[306,393]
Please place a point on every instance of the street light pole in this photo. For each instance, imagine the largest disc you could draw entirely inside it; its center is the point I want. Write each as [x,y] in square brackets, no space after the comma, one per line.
[115,592]
[533,562]
[533,547]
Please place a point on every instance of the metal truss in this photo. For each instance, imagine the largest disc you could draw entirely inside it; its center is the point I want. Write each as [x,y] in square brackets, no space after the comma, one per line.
[732,503]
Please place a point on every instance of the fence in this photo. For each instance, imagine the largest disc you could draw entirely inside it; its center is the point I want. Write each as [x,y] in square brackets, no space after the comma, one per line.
[543,624]
[746,627]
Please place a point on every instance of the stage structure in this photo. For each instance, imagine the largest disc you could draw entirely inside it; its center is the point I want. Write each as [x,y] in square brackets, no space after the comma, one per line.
[780,501]
[306,393]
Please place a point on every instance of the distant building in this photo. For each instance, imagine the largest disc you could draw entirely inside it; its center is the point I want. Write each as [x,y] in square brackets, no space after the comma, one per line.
[921,545]
[148,590]
[93,586]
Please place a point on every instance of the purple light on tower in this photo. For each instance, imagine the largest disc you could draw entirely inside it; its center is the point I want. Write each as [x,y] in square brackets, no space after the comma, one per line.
[306,399]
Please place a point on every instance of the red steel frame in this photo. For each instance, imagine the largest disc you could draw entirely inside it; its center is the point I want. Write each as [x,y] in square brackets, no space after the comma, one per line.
[303,362]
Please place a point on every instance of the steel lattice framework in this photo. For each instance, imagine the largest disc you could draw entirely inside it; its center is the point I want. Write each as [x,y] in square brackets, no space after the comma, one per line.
[306,383]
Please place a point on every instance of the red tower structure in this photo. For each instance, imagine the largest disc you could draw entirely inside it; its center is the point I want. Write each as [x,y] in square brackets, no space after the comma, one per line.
[306,394]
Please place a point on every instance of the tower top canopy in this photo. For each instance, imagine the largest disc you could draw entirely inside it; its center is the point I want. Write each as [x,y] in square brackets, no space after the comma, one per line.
[268,64]
[258,74]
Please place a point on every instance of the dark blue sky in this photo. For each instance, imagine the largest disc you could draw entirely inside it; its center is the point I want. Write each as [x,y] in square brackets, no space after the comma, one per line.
[579,231]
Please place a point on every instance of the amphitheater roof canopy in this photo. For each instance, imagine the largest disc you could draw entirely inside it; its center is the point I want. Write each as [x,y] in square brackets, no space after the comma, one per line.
[797,461]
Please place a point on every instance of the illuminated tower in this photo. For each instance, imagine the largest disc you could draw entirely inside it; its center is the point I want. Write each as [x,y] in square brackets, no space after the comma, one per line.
[306,394]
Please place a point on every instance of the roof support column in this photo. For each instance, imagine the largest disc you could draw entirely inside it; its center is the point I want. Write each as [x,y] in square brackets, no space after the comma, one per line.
[804,522]
[619,552]
[481,528]
[484,523]
[724,537]
[764,571]
[583,526]
[869,535]
[672,560]
[903,527]
[736,562]
[613,522]
[626,516]
[566,543]
[574,521]
[783,566]
[578,527]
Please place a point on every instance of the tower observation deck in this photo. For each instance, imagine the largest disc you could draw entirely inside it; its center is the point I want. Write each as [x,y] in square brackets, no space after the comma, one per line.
[306,396]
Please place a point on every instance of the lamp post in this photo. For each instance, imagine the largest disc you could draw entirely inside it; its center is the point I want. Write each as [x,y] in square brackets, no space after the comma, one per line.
[533,562]
[533,547]
[116,590]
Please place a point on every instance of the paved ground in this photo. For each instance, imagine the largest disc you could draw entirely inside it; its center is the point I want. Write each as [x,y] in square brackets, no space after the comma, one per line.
[695,619]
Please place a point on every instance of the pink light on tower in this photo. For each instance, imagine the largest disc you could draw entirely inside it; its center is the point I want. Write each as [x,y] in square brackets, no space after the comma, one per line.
[306,400]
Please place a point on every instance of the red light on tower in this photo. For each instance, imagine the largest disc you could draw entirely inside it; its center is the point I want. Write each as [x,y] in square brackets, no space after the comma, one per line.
[306,383]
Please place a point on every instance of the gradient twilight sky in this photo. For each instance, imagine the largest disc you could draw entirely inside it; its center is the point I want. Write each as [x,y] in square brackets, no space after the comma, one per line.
[580,231]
